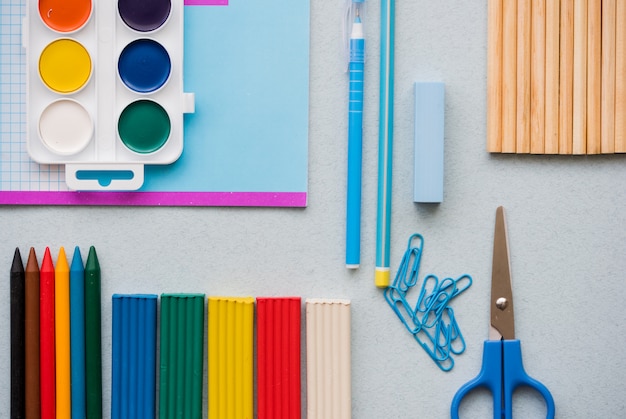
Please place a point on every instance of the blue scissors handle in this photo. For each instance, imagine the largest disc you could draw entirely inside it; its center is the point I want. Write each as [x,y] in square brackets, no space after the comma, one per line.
[502,372]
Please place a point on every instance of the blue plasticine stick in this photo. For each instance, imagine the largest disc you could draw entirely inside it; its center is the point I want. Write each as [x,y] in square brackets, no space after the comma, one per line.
[133,378]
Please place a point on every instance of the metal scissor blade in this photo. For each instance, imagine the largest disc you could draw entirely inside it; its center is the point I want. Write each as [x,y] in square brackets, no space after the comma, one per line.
[502,319]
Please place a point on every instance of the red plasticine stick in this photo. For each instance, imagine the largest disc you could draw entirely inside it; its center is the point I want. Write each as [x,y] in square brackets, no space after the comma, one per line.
[46,336]
[278,358]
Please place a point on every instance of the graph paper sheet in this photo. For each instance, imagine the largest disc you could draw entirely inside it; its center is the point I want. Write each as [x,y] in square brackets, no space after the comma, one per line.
[255,154]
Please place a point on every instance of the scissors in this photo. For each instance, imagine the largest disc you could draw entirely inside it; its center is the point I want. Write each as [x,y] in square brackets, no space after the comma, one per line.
[502,370]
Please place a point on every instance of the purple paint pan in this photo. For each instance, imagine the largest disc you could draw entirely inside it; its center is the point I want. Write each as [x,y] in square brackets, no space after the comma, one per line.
[144,15]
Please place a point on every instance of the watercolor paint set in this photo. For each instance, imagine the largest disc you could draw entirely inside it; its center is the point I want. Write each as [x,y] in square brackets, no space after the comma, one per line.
[105,88]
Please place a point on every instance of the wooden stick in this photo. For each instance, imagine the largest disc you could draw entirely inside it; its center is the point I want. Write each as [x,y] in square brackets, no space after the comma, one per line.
[566,76]
[537,76]
[509,78]
[551,139]
[594,74]
[608,76]
[579,130]
[620,78]
[523,76]
[494,76]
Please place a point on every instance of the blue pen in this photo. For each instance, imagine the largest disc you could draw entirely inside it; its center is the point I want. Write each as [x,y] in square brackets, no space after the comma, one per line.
[355,140]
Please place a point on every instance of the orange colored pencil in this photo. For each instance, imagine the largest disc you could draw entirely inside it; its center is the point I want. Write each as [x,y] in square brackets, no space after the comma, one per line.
[62,336]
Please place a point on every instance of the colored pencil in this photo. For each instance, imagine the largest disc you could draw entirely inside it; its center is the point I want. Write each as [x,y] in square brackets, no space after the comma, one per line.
[620,82]
[77,333]
[537,76]
[181,358]
[18,291]
[522,132]
[31,323]
[385,143]
[46,336]
[328,370]
[509,75]
[494,76]
[278,358]
[133,377]
[579,100]
[609,9]
[551,139]
[62,336]
[230,357]
[93,337]
[594,75]
[566,66]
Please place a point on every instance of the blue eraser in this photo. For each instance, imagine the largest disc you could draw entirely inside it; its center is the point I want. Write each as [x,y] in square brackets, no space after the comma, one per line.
[429,124]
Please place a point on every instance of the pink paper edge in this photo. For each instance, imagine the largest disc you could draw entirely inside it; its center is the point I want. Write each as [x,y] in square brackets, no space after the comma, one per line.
[204,199]
[206,2]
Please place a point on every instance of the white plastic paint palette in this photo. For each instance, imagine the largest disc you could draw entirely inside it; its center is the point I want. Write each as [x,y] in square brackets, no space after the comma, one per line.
[105,88]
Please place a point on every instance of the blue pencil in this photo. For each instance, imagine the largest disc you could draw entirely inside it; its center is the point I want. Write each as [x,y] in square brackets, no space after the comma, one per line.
[77,334]
[385,143]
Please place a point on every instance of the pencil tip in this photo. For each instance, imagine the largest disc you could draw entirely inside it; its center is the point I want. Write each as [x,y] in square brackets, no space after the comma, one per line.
[17,265]
[31,264]
[77,260]
[46,263]
[92,259]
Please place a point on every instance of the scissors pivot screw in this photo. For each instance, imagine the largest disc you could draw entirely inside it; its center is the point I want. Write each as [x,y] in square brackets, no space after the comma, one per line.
[502,303]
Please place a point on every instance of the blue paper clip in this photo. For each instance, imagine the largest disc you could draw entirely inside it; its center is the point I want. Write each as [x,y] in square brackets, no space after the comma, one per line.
[431,320]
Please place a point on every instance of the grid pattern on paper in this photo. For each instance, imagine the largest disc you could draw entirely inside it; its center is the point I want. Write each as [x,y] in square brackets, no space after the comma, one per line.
[17,171]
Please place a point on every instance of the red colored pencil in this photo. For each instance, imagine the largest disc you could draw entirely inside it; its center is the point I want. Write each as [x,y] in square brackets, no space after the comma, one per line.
[46,336]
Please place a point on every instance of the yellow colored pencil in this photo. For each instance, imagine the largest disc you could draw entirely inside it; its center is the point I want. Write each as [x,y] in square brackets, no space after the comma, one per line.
[62,335]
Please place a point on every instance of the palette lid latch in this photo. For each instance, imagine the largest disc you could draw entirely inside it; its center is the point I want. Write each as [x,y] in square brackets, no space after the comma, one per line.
[189,102]
[104,177]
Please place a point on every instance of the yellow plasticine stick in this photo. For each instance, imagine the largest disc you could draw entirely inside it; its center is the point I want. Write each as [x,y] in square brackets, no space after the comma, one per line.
[230,357]
[62,335]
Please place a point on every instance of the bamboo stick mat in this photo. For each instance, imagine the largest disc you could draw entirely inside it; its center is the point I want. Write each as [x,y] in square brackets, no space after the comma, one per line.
[556,76]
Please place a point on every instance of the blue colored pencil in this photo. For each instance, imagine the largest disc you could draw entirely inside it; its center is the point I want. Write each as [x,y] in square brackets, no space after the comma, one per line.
[77,333]
[385,143]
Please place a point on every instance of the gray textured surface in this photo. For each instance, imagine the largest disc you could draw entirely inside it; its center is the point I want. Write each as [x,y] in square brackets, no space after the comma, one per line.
[566,221]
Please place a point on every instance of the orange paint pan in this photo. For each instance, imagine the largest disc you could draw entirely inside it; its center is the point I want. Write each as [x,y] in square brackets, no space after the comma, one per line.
[65,15]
